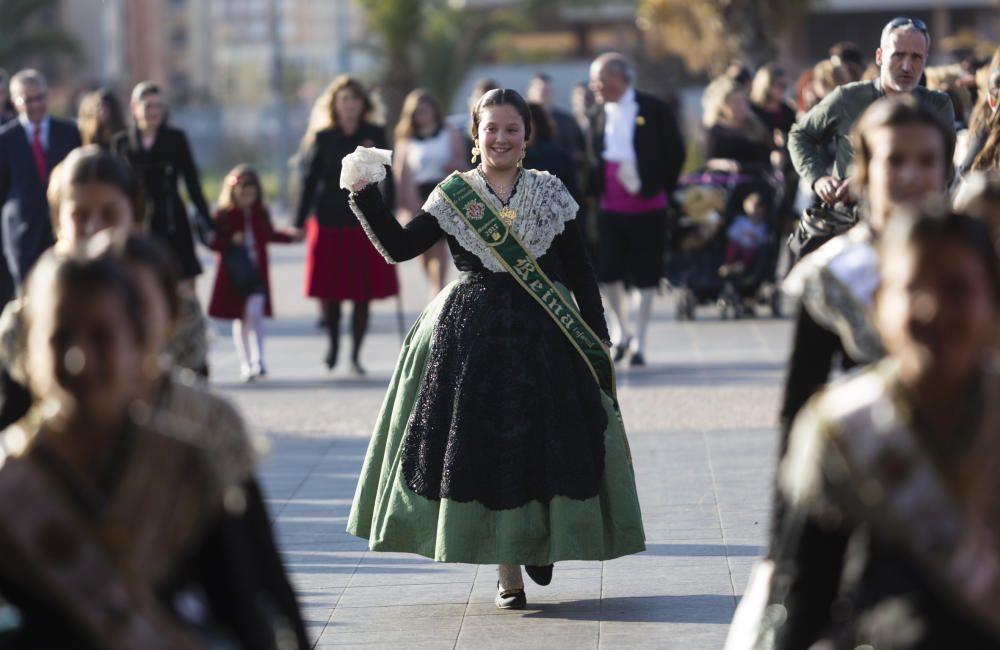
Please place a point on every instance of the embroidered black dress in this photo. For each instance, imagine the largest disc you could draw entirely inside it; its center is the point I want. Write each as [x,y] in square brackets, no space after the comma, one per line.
[494,421]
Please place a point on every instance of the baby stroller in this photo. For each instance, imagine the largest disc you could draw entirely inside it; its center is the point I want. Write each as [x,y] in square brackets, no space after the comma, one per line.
[708,202]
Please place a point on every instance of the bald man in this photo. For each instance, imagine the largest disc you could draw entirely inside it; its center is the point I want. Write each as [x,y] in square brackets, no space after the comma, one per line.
[639,152]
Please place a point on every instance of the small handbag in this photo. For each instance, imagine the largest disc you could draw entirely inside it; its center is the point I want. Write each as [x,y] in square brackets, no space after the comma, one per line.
[242,271]
[818,226]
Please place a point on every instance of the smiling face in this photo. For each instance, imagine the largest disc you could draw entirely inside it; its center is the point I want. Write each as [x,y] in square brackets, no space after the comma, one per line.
[935,310]
[500,136]
[901,59]
[907,164]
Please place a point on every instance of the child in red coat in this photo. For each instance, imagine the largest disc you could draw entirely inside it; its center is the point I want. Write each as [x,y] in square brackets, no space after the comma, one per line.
[242,220]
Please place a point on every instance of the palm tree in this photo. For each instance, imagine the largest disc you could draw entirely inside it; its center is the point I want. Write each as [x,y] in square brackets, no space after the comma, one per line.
[23,37]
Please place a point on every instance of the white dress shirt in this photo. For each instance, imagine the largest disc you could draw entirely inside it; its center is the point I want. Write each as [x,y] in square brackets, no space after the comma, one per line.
[29,130]
[619,128]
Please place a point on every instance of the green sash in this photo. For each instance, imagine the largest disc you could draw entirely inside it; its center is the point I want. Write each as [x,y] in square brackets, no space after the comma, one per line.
[523,267]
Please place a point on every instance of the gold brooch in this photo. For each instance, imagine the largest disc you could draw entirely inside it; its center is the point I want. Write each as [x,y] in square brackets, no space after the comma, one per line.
[640,120]
[507,215]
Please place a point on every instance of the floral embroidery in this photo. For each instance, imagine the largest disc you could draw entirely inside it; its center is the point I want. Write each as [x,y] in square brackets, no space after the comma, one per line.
[475,210]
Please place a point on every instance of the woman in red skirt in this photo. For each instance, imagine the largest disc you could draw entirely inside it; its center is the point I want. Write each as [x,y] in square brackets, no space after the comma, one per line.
[242,220]
[341,262]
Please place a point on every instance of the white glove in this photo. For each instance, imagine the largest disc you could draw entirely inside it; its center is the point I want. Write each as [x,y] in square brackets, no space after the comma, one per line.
[366,165]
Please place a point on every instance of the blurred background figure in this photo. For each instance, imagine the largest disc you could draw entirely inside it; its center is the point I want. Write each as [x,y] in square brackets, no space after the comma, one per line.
[242,289]
[640,152]
[566,132]
[162,157]
[981,147]
[30,147]
[733,131]
[427,150]
[7,110]
[100,118]
[341,263]
[769,100]
[545,154]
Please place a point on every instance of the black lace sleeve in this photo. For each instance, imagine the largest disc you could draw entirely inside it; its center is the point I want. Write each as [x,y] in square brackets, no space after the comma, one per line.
[580,276]
[397,243]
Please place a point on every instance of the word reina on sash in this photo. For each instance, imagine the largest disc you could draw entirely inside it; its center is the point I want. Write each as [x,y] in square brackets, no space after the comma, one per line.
[550,297]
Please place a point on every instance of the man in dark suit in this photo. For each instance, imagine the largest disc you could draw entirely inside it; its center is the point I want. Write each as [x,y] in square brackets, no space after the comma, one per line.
[30,147]
[639,150]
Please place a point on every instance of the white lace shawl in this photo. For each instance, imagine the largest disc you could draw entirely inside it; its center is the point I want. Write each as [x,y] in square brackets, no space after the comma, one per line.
[543,206]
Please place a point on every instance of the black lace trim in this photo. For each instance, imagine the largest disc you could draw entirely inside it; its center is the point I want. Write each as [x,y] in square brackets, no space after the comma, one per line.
[507,412]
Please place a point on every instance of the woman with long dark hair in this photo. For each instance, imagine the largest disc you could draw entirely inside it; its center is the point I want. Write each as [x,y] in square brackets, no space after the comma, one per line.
[100,118]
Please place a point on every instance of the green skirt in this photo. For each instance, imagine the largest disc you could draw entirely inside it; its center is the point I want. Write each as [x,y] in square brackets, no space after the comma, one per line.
[395,519]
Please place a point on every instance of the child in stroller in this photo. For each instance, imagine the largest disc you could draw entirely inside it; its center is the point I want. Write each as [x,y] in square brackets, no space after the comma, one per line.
[724,244]
[746,235]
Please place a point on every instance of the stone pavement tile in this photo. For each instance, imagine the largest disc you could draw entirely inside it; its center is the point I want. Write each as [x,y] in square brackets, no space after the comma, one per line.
[306,580]
[662,636]
[426,573]
[440,594]
[391,618]
[316,618]
[503,633]
[419,633]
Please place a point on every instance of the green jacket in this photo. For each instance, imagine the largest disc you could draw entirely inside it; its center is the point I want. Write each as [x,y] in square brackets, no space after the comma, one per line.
[832,119]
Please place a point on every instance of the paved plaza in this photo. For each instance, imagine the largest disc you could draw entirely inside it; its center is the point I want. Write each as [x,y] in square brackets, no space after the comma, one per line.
[701,422]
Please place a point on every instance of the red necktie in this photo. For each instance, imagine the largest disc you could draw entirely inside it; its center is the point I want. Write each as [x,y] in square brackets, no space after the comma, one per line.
[36,149]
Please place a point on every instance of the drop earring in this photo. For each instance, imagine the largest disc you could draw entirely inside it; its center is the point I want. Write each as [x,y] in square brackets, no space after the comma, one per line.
[475,153]
[524,151]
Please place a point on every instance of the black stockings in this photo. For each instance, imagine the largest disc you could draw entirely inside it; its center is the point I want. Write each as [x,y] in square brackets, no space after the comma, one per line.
[359,326]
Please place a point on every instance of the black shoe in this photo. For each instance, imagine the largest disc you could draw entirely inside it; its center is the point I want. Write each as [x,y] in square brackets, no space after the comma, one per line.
[542,575]
[618,351]
[357,369]
[331,358]
[636,360]
[510,599]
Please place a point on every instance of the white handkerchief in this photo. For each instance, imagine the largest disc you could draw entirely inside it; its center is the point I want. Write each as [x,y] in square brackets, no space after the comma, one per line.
[366,164]
[628,175]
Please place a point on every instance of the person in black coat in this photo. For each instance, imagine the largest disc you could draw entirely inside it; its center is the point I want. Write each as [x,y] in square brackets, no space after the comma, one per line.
[162,156]
[341,263]
[639,150]
[30,147]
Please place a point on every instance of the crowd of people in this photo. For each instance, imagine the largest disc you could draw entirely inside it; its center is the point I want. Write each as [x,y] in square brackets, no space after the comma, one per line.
[500,440]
